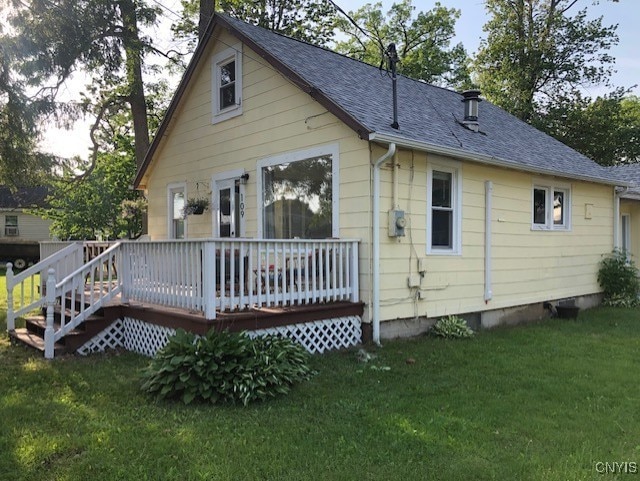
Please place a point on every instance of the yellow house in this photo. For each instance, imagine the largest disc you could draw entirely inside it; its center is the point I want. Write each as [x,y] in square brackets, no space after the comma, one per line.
[336,210]
[462,209]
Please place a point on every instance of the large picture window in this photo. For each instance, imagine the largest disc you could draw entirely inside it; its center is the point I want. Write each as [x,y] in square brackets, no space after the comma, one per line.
[551,207]
[299,196]
[444,198]
[227,84]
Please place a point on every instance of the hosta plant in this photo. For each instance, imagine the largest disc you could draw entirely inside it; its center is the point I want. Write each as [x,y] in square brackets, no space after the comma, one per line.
[224,367]
[451,327]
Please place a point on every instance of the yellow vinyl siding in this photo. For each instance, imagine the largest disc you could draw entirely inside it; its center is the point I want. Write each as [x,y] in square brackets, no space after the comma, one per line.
[277,118]
[527,265]
[632,208]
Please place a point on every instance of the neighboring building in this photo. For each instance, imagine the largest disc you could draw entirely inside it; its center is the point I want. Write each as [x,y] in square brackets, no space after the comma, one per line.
[20,231]
[477,213]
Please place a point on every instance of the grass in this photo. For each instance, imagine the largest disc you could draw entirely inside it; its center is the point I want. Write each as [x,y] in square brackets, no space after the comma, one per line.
[30,287]
[543,401]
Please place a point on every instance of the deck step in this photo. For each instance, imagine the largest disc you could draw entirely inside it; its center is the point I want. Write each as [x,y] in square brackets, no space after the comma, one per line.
[34,341]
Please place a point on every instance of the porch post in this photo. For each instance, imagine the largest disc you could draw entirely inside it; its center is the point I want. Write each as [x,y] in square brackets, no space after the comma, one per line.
[11,318]
[354,281]
[50,301]
[208,269]
[124,277]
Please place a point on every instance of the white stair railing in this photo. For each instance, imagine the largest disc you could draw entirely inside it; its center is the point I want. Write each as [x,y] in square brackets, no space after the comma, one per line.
[29,283]
[85,290]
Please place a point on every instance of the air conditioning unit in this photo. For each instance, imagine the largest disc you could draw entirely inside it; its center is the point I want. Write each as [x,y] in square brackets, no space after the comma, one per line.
[11,230]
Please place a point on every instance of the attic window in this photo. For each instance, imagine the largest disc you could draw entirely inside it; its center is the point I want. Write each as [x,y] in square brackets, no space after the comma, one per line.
[227,84]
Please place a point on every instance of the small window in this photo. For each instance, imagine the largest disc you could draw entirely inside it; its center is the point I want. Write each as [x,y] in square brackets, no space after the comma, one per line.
[551,208]
[227,84]
[11,226]
[443,212]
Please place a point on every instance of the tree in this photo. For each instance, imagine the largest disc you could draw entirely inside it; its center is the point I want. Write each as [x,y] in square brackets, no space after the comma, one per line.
[423,41]
[20,161]
[308,20]
[606,129]
[50,40]
[102,203]
[536,55]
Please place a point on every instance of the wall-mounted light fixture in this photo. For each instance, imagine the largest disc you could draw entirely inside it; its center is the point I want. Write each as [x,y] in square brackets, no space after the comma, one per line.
[244,177]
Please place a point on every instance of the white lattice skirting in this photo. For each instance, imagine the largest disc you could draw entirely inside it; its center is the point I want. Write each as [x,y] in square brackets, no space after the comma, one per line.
[147,339]
[320,336]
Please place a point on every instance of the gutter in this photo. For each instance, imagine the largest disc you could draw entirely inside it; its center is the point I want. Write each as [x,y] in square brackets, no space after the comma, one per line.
[485,159]
[376,241]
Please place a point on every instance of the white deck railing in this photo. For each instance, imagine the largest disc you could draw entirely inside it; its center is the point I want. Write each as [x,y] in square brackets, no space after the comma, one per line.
[232,275]
[204,276]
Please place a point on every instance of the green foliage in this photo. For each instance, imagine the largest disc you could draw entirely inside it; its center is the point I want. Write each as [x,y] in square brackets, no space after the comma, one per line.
[537,54]
[605,129]
[308,20]
[99,205]
[224,367]
[423,41]
[618,277]
[451,327]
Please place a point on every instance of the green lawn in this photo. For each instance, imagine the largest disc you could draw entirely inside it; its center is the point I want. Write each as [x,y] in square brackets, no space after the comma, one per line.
[540,402]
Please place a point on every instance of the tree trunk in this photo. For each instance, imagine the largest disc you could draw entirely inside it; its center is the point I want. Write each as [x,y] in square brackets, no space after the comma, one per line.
[133,50]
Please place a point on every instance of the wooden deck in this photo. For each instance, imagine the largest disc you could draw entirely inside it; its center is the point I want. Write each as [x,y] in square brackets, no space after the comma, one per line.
[247,320]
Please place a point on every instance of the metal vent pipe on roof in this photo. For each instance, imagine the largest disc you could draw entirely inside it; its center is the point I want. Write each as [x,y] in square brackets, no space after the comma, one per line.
[471,100]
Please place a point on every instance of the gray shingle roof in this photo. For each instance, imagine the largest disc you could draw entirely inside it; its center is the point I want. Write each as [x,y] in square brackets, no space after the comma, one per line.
[429,116]
[629,173]
[25,197]
[426,113]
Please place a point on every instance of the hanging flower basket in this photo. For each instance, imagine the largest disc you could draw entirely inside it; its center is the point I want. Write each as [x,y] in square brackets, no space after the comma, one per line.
[195,206]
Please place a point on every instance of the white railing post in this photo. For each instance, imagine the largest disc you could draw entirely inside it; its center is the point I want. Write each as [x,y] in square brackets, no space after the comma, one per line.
[123,272]
[11,318]
[49,333]
[208,269]
[354,281]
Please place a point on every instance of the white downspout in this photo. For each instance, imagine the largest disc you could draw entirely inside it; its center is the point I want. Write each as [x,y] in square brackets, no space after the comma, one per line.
[376,241]
[488,203]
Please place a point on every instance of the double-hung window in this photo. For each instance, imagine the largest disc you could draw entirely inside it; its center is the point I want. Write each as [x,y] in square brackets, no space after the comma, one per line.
[11,225]
[227,83]
[444,202]
[551,207]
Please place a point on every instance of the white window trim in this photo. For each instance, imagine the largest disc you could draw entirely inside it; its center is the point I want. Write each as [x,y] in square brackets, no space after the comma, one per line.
[233,53]
[215,179]
[330,149]
[550,188]
[170,189]
[455,169]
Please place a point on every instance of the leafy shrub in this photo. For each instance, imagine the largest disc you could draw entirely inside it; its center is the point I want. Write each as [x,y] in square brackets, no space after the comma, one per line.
[618,277]
[224,367]
[451,327]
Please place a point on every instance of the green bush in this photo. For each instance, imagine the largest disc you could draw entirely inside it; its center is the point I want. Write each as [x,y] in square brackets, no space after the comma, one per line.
[224,367]
[451,327]
[618,277]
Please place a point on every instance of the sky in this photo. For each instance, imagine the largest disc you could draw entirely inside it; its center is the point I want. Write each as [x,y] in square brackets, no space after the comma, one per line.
[625,13]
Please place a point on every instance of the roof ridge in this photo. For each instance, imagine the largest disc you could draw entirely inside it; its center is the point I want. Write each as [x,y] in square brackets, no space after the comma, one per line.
[329,50]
